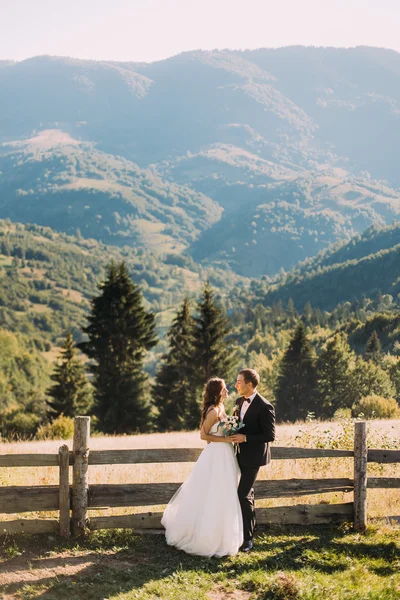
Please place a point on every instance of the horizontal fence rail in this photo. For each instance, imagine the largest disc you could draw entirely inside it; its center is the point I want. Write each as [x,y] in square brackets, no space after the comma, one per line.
[30,526]
[151,494]
[171,455]
[46,498]
[383,456]
[383,483]
[29,460]
[301,514]
[82,496]
[17,499]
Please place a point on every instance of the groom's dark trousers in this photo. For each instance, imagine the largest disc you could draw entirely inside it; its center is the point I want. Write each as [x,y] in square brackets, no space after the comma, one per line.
[259,429]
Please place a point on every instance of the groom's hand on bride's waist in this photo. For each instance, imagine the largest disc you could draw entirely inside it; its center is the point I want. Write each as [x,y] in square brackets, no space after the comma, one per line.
[239,438]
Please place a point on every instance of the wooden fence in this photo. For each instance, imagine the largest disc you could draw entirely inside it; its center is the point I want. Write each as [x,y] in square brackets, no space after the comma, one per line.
[73,502]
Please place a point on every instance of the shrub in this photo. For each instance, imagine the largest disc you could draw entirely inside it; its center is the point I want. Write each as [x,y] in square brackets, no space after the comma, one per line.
[281,587]
[376,407]
[62,428]
[368,379]
[342,413]
[20,424]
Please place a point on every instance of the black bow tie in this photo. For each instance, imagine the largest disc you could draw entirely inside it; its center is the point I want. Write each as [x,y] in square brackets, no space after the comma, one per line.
[247,400]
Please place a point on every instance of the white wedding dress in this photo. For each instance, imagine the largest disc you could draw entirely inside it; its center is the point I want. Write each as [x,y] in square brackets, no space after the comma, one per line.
[204,516]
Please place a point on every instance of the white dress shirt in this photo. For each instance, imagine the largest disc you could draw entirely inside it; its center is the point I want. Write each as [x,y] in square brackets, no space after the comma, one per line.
[245,405]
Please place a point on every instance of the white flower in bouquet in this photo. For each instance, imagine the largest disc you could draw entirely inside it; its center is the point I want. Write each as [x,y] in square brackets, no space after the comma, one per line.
[230,425]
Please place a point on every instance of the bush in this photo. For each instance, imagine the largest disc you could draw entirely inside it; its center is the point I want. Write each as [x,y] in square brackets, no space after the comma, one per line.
[342,413]
[376,407]
[62,428]
[20,424]
[281,587]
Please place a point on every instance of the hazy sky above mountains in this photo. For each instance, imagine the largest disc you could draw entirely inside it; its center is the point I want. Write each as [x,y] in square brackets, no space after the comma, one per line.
[148,30]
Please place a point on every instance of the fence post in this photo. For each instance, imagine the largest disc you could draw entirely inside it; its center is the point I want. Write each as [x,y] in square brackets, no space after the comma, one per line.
[360,475]
[80,475]
[64,496]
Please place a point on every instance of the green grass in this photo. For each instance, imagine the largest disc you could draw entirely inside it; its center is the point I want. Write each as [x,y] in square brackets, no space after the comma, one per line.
[287,564]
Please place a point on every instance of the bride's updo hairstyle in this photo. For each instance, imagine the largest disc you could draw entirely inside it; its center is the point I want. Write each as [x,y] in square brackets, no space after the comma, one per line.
[212,395]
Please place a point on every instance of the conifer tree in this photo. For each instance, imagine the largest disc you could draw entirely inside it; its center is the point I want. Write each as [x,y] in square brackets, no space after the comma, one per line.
[308,312]
[334,377]
[213,356]
[173,392]
[373,349]
[295,389]
[291,311]
[71,394]
[120,332]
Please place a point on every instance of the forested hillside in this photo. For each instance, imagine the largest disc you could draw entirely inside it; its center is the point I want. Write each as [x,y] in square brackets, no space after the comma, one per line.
[369,265]
[56,181]
[47,279]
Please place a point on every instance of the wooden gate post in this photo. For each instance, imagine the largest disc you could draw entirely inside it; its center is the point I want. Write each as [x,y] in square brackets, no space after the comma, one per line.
[80,475]
[64,496]
[360,475]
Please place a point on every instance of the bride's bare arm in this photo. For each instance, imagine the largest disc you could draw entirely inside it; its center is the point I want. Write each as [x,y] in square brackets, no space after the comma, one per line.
[209,421]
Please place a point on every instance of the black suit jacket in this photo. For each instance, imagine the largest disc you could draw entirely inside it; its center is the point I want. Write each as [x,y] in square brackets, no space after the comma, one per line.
[259,428]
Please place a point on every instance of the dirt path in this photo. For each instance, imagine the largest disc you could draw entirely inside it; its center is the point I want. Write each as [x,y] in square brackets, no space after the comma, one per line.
[31,568]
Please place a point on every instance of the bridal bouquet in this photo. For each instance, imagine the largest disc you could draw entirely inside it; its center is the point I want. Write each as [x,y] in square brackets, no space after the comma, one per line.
[230,425]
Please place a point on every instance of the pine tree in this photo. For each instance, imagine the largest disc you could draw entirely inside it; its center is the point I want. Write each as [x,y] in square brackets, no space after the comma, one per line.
[213,355]
[295,389]
[334,377]
[308,312]
[373,349]
[291,309]
[120,332]
[173,392]
[71,394]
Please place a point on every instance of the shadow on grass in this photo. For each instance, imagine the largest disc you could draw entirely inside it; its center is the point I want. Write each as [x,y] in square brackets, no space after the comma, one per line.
[111,563]
[326,551]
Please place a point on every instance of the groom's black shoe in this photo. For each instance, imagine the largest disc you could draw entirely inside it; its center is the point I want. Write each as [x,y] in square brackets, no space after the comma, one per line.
[246,546]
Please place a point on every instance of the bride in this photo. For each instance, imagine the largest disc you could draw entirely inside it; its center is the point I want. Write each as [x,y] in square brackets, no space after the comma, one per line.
[204,515]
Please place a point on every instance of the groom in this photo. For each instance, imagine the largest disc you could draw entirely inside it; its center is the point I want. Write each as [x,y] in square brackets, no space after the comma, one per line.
[258,416]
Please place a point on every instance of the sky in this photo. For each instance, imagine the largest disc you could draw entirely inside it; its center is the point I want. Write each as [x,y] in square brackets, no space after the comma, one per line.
[150,30]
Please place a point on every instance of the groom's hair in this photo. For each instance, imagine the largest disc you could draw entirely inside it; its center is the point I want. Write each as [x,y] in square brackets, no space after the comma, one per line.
[250,376]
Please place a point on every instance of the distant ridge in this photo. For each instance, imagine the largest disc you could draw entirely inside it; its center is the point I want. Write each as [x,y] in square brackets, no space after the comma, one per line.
[367,266]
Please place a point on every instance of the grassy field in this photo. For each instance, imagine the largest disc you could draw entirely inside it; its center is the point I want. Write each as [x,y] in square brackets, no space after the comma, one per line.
[289,563]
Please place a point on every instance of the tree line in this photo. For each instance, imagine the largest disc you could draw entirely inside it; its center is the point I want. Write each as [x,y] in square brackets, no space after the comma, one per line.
[337,380]
[120,331]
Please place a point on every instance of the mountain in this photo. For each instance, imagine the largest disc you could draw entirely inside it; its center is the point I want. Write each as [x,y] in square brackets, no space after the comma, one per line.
[250,160]
[300,103]
[367,266]
[352,95]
